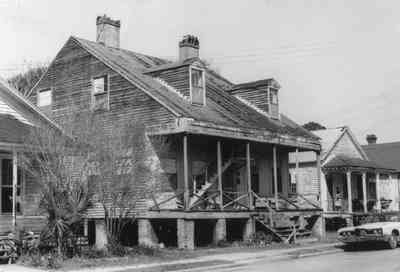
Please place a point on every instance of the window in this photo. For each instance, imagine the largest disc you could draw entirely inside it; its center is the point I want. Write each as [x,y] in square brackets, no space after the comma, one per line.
[44,98]
[197,86]
[100,93]
[273,96]
[6,176]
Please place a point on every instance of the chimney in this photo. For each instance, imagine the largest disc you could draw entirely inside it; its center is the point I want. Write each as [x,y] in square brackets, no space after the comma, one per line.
[371,138]
[189,47]
[108,31]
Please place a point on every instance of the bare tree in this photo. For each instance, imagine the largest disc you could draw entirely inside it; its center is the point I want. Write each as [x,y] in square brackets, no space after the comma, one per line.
[58,163]
[92,162]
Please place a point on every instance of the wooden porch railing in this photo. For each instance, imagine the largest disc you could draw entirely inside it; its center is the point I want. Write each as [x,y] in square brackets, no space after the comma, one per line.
[178,196]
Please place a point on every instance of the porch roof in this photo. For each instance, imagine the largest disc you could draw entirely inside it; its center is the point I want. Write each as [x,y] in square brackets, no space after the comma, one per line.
[347,163]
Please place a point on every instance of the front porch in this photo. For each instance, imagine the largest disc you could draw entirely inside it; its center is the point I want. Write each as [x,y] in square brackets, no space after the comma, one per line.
[356,187]
[215,174]
[221,178]
[17,195]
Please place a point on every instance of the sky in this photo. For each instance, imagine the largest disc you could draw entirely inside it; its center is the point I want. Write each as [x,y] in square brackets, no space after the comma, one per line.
[337,61]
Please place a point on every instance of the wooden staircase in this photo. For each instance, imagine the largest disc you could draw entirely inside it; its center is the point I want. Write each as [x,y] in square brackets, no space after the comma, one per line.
[283,227]
[209,181]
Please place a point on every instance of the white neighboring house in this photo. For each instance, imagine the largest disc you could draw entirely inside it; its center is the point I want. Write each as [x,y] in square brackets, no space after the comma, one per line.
[351,182]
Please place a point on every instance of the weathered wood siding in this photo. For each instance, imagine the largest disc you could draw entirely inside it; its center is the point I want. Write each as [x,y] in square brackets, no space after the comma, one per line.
[257,96]
[307,179]
[177,78]
[70,79]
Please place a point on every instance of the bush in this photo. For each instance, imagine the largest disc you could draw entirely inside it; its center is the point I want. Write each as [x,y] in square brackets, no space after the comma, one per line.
[144,250]
[49,260]
[93,253]
[116,249]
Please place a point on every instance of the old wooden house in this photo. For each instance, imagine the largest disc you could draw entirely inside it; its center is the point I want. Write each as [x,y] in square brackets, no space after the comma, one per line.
[19,192]
[227,173]
[353,184]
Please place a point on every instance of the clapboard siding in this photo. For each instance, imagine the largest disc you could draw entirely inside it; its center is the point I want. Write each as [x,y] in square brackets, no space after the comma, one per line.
[258,96]
[307,182]
[26,223]
[70,77]
[177,78]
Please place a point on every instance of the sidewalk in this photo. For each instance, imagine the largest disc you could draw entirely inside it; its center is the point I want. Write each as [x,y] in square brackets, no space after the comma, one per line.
[215,260]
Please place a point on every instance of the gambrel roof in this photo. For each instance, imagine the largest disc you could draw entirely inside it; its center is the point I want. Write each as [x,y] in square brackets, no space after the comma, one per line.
[221,109]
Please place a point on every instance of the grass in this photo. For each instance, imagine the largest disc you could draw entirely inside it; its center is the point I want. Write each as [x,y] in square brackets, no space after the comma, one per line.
[167,255]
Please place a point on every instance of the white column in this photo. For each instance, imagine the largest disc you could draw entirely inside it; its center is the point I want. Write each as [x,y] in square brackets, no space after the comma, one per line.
[14,189]
[275,177]
[349,197]
[378,194]
[219,166]
[364,188]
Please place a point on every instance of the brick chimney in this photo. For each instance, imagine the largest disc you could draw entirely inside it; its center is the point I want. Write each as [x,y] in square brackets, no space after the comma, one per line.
[108,31]
[189,47]
[371,139]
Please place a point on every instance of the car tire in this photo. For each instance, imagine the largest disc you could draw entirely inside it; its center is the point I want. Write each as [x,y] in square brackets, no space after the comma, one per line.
[392,242]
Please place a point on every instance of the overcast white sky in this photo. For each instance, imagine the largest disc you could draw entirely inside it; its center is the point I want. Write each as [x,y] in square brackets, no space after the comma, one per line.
[338,61]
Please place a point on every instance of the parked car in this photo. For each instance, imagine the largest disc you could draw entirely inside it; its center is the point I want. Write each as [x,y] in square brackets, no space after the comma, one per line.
[387,232]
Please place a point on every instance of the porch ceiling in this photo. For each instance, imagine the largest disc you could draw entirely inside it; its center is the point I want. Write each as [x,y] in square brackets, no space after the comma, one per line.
[261,136]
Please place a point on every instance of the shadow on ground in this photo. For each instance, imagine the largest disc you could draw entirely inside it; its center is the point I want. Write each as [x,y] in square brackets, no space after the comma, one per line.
[363,247]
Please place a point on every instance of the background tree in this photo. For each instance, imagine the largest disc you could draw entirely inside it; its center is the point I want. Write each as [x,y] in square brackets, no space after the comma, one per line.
[24,82]
[311,126]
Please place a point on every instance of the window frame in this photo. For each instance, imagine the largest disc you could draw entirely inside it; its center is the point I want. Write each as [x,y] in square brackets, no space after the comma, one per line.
[20,187]
[270,100]
[42,91]
[191,68]
[107,91]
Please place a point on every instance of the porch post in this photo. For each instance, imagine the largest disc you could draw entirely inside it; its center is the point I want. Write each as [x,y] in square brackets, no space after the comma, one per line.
[322,187]
[185,174]
[378,194]
[364,188]
[14,189]
[275,177]
[296,174]
[219,165]
[248,166]
[349,197]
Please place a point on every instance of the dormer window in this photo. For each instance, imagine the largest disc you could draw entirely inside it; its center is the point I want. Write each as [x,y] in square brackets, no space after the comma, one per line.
[100,98]
[197,86]
[44,98]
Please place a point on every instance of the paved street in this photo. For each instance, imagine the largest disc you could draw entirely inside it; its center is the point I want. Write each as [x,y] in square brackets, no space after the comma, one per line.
[371,260]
